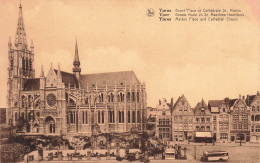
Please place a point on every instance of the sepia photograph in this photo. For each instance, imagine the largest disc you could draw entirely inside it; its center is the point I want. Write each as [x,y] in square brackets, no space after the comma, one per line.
[130,81]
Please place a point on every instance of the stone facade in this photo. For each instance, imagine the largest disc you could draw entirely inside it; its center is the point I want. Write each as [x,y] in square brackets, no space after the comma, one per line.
[221,119]
[202,118]
[182,120]
[254,103]
[240,122]
[163,120]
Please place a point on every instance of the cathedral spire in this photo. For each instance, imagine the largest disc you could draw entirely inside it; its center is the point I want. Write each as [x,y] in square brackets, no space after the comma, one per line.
[59,73]
[20,36]
[76,69]
[76,62]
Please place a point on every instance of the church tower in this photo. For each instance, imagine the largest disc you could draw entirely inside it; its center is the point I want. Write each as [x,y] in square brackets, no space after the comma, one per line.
[76,69]
[21,59]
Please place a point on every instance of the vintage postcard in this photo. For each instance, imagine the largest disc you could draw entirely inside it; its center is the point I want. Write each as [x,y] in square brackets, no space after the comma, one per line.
[132,80]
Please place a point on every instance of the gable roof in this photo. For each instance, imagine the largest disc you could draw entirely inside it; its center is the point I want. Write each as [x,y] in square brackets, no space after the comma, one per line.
[68,78]
[201,104]
[179,99]
[250,99]
[215,103]
[232,102]
[31,84]
[109,78]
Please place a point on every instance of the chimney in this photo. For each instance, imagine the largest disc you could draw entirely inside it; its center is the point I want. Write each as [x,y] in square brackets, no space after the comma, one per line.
[226,100]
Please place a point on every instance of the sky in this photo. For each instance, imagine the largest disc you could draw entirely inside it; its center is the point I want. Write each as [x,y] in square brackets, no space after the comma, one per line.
[209,60]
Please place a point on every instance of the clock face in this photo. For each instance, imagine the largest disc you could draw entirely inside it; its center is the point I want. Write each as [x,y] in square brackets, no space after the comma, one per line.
[51,99]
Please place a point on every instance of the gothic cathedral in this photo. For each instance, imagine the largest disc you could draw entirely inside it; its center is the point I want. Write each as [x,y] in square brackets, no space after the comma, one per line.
[61,103]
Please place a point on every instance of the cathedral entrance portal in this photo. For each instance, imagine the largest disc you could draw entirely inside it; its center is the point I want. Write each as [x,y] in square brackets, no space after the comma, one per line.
[49,125]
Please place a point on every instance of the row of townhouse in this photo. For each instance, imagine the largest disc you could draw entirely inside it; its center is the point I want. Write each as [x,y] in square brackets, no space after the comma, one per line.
[227,120]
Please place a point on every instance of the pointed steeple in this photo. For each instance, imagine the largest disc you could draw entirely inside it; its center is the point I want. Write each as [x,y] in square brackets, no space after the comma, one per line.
[76,62]
[76,69]
[59,74]
[20,36]
[42,72]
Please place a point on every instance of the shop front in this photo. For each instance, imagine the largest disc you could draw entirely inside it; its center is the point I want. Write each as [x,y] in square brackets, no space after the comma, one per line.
[205,137]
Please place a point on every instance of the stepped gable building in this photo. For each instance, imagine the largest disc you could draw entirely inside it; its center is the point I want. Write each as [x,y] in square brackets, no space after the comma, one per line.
[240,120]
[70,103]
[221,119]
[163,120]
[253,102]
[202,122]
[182,120]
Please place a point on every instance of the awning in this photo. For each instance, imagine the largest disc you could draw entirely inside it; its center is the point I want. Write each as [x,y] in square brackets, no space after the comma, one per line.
[203,134]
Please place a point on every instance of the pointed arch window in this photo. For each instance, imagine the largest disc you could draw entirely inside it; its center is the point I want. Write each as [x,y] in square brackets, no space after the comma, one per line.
[23,63]
[111,97]
[128,116]
[137,96]
[86,101]
[103,117]
[16,116]
[27,64]
[84,117]
[23,101]
[118,98]
[30,65]
[111,117]
[67,97]
[29,101]
[123,117]
[100,98]
[122,96]
[133,96]
[133,117]
[71,118]
[98,116]
[113,113]
[128,96]
[138,117]
[119,116]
